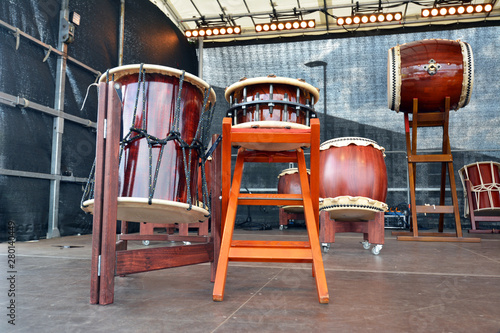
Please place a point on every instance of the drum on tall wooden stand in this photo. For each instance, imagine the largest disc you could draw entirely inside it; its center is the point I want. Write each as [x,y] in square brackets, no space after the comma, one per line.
[289,183]
[427,79]
[153,129]
[481,182]
[353,188]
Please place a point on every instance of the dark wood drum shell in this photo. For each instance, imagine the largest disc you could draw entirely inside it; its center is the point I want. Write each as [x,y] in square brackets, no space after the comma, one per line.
[429,70]
[352,167]
[250,99]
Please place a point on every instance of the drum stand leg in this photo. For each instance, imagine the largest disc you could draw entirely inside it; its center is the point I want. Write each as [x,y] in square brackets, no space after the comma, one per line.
[372,230]
[108,258]
[270,251]
[433,119]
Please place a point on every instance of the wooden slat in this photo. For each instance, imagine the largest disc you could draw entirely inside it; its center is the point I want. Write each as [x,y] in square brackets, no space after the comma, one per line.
[270,254]
[164,237]
[98,195]
[435,209]
[451,238]
[430,158]
[110,204]
[270,244]
[269,199]
[144,260]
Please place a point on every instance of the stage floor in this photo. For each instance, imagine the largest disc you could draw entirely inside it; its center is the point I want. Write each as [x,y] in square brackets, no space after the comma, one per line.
[409,287]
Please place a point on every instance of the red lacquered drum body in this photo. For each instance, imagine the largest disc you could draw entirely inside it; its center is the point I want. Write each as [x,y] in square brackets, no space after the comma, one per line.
[152,108]
[289,183]
[484,179]
[430,70]
[353,178]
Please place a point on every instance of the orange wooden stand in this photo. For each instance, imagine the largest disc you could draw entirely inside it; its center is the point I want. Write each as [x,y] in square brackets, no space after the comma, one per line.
[111,258]
[431,119]
[270,251]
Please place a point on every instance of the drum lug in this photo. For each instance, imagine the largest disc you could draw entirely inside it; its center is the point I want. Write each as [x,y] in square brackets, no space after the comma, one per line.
[433,67]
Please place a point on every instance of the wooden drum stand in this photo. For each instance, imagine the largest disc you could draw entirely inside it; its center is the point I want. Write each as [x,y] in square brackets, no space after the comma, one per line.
[431,119]
[111,258]
[270,251]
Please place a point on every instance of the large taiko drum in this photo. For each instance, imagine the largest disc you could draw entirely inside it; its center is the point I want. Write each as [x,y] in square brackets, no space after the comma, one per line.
[430,70]
[271,102]
[289,183]
[484,180]
[161,111]
[352,178]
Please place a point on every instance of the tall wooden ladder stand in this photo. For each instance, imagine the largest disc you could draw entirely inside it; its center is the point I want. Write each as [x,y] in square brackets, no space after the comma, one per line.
[431,119]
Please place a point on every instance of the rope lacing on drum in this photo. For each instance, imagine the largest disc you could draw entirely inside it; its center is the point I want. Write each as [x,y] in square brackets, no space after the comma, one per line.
[88,192]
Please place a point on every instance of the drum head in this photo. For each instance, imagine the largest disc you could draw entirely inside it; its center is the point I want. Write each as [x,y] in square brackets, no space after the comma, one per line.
[117,72]
[272,80]
[293,209]
[160,211]
[346,141]
[347,208]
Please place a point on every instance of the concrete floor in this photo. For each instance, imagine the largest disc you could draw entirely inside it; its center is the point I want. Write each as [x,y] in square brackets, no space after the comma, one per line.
[409,287]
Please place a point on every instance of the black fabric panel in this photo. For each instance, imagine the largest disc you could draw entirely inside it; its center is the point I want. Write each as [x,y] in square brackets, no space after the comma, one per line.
[26,134]
[26,202]
[72,220]
[150,37]
[25,139]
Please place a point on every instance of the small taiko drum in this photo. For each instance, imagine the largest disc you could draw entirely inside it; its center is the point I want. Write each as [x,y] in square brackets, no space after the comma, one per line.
[271,102]
[352,178]
[162,109]
[484,178]
[289,183]
[430,70]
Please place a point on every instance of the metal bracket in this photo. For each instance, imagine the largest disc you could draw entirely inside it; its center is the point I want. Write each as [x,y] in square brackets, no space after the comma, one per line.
[433,67]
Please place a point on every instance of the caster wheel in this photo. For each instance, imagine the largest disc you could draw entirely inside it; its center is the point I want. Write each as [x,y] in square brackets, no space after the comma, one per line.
[281,226]
[186,243]
[145,242]
[366,245]
[376,249]
[325,247]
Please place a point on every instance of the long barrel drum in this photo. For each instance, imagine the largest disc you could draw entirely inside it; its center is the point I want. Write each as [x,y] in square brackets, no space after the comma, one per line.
[430,70]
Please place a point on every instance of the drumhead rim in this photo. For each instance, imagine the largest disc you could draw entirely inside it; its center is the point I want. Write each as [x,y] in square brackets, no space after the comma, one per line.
[350,202]
[350,140]
[196,211]
[477,163]
[291,171]
[276,79]
[159,69]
